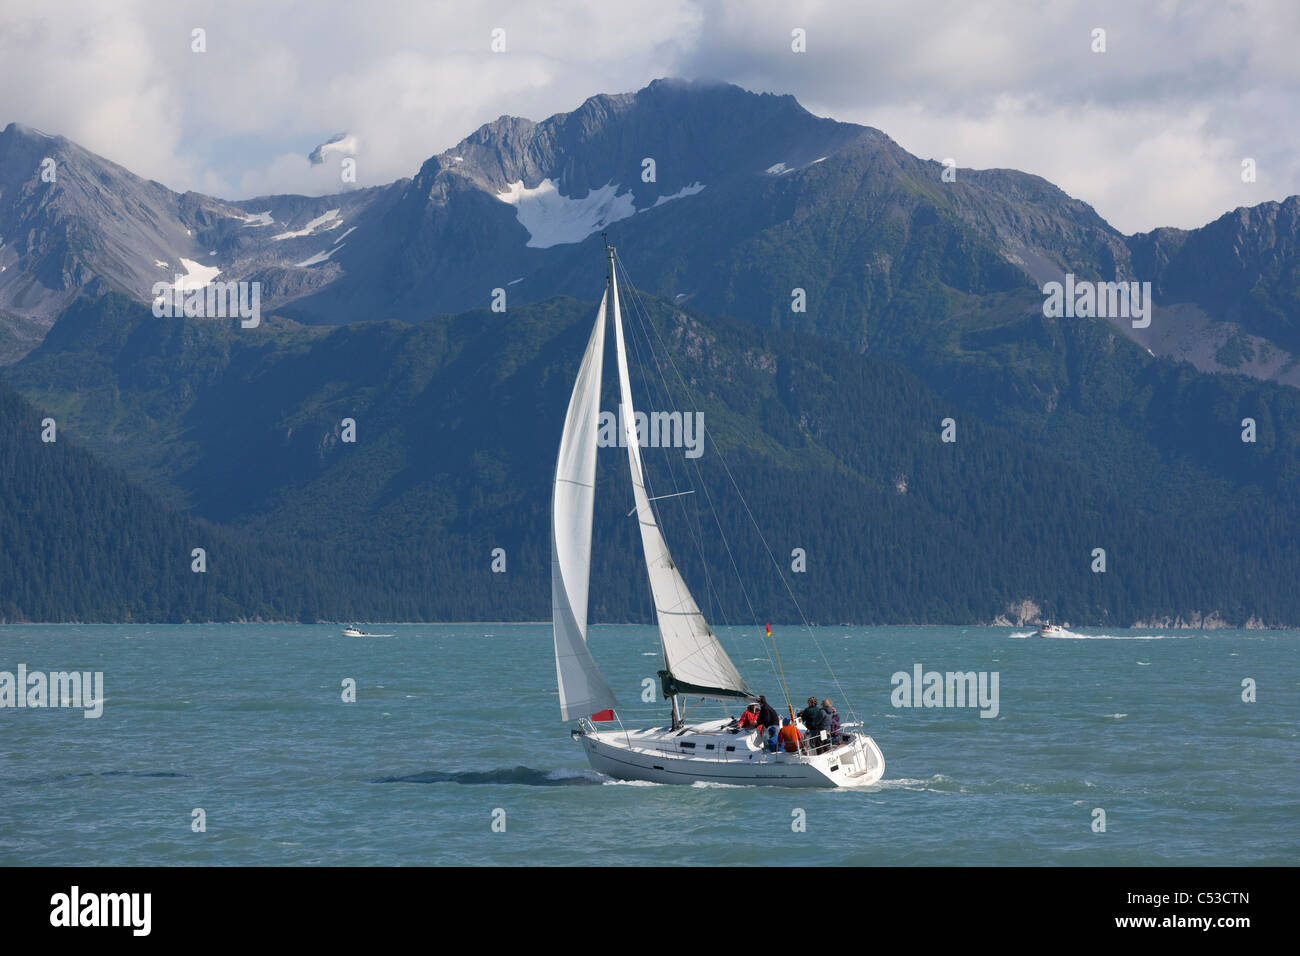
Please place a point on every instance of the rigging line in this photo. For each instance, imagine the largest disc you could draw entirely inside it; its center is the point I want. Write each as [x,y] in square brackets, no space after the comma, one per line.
[697,537]
[721,457]
[778,669]
[641,314]
[646,484]
[702,645]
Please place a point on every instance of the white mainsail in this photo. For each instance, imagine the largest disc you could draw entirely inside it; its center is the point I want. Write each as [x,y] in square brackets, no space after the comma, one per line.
[583,691]
[695,660]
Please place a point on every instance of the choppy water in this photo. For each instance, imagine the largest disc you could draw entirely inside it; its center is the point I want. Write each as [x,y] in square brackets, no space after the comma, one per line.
[454,722]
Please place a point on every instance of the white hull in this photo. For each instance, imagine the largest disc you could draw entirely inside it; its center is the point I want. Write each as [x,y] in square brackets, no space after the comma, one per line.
[1051,630]
[700,754]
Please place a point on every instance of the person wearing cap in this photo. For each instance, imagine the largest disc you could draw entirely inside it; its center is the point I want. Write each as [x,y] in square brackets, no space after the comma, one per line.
[749,719]
[772,745]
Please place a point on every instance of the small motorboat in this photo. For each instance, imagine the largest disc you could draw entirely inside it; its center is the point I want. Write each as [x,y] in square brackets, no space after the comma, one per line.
[353,630]
[1050,630]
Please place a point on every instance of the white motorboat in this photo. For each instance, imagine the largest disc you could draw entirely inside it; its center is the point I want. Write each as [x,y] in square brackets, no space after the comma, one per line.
[353,631]
[695,663]
[1050,630]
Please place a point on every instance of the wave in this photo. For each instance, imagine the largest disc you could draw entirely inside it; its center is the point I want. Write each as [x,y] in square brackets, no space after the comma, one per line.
[911,783]
[60,778]
[524,776]
[611,782]
[714,785]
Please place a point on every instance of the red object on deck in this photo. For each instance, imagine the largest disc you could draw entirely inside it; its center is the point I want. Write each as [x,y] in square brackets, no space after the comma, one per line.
[604,715]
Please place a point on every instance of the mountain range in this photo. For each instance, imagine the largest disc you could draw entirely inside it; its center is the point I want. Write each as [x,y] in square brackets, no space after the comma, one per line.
[923,303]
[751,197]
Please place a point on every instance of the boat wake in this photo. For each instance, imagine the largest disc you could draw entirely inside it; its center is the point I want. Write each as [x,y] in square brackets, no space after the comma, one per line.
[524,776]
[1071,635]
[936,784]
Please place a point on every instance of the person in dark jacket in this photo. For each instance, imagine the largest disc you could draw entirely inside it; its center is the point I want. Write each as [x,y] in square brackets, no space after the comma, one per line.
[832,720]
[812,715]
[814,721]
[767,716]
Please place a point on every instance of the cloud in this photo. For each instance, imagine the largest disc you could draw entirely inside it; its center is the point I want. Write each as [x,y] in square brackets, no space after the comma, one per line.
[1151,132]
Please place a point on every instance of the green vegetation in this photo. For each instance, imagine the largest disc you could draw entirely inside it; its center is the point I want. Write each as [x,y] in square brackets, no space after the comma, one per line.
[1069,438]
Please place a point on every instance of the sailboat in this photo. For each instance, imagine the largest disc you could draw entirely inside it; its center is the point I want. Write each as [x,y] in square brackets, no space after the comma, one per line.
[695,663]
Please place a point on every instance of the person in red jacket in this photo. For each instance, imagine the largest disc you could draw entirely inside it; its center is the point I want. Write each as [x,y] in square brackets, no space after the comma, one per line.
[790,736]
[749,719]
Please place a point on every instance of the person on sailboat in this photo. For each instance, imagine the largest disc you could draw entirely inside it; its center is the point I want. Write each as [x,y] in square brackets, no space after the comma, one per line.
[772,745]
[749,719]
[814,721]
[812,717]
[832,720]
[790,737]
[767,715]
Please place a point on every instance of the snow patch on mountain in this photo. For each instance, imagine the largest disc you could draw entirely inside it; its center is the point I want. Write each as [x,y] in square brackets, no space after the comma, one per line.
[196,275]
[311,227]
[553,220]
[318,258]
[257,219]
[351,229]
[685,191]
[778,169]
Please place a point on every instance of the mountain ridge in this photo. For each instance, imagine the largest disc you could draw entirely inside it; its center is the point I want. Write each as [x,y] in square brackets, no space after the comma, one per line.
[782,199]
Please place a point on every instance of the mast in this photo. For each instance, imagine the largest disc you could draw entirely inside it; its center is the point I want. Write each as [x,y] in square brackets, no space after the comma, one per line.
[612,282]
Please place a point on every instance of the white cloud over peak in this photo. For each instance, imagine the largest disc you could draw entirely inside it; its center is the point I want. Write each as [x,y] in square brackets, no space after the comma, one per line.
[1151,132]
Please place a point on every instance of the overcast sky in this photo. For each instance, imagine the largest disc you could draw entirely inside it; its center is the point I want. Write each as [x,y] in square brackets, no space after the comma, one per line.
[1151,132]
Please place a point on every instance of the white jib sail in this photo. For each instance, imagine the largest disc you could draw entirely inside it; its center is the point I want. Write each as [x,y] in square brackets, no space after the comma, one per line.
[694,657]
[583,691]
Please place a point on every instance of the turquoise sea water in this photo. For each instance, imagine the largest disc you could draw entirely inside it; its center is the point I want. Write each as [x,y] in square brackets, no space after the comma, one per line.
[455,723]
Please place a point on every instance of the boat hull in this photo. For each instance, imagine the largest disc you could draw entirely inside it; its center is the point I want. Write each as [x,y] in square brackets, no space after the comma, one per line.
[661,755]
